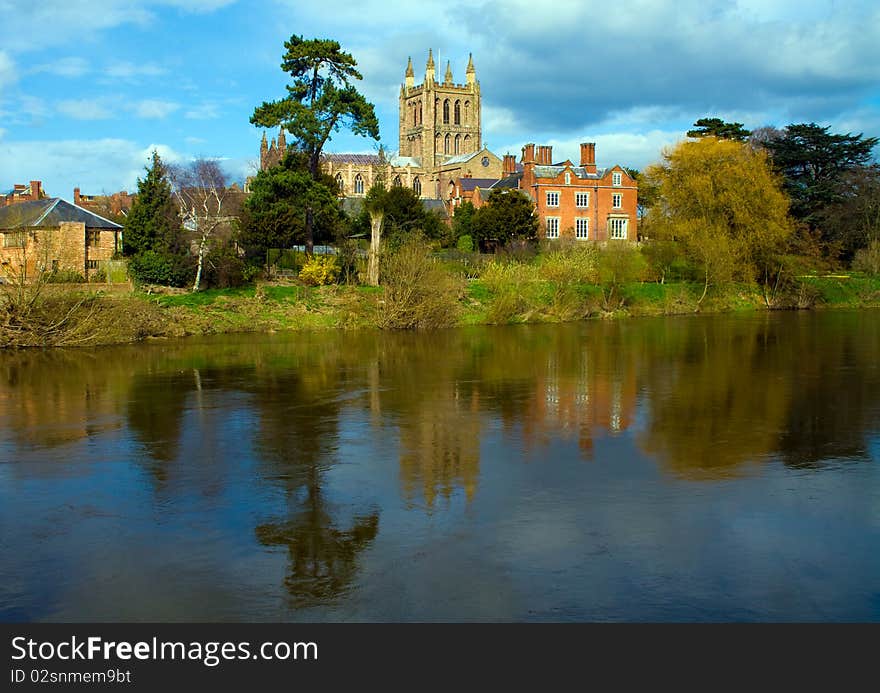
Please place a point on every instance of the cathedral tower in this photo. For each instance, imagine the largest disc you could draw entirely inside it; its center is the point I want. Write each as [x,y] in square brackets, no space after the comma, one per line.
[439,120]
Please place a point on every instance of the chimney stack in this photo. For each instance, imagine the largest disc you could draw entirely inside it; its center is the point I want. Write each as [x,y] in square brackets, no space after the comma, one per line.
[36,189]
[508,167]
[76,196]
[528,154]
[588,156]
[545,155]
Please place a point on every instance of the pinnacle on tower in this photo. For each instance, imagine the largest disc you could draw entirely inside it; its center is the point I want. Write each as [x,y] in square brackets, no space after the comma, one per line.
[430,73]
[409,80]
[264,144]
[471,73]
[448,77]
[409,69]
[282,141]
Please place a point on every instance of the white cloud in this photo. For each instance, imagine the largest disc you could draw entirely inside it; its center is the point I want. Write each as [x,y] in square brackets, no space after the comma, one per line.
[204,111]
[129,71]
[71,66]
[86,109]
[104,165]
[7,69]
[154,108]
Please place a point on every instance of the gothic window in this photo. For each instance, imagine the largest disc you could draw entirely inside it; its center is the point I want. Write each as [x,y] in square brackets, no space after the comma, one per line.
[458,144]
[396,182]
[446,111]
[446,144]
[340,183]
[358,185]
[458,112]
[417,186]
[415,115]
[467,112]
[467,144]
[420,113]
[436,109]
[451,192]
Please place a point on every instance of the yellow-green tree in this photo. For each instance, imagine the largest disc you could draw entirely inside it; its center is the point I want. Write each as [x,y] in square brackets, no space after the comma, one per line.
[722,200]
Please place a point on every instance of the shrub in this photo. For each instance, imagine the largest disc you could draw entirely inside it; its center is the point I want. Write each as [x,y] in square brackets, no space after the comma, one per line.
[867,260]
[65,277]
[152,267]
[319,270]
[465,244]
[224,268]
[98,276]
[418,293]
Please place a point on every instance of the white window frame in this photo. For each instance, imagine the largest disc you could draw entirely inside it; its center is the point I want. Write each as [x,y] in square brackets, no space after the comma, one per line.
[617,179]
[551,227]
[618,228]
[547,198]
[616,200]
[582,228]
[582,195]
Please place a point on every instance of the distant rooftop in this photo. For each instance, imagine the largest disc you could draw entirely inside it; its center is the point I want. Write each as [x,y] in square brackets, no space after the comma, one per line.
[51,211]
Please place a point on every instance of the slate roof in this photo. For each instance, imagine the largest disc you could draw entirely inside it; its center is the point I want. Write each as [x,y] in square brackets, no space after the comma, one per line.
[579,171]
[402,161]
[468,184]
[461,158]
[359,159]
[508,181]
[50,212]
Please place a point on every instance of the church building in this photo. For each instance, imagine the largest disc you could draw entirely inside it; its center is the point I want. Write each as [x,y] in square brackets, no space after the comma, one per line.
[440,140]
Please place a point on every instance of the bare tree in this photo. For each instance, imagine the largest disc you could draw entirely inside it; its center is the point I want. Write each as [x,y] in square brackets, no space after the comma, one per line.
[200,190]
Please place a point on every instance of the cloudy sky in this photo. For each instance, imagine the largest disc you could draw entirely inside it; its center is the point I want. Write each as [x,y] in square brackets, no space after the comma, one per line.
[89,87]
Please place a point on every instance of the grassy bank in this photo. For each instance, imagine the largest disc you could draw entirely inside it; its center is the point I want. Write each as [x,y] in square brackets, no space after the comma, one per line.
[115,318]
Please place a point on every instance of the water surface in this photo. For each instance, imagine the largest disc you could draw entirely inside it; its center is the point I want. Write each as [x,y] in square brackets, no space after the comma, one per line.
[673,469]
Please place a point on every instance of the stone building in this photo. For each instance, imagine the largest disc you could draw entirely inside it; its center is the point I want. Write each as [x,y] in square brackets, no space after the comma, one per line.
[52,234]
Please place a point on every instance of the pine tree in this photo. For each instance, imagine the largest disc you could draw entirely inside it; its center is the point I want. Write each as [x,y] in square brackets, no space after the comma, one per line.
[153,222]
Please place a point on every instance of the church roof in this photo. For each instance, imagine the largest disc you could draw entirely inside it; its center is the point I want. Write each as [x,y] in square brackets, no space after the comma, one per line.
[461,158]
[359,159]
[402,161]
[51,211]
[508,181]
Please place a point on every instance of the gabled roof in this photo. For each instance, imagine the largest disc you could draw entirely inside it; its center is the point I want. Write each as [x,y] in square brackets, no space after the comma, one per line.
[50,212]
[461,158]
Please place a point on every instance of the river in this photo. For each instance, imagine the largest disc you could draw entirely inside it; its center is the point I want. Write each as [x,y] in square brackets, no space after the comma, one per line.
[721,468]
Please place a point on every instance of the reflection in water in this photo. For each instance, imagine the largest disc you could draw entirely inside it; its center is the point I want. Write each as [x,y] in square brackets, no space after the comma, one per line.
[301,442]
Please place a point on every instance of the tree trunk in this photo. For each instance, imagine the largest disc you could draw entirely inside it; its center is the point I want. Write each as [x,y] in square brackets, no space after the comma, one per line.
[705,290]
[202,247]
[310,234]
[375,237]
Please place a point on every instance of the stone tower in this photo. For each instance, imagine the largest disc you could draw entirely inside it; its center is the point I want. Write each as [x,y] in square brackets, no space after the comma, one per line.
[439,119]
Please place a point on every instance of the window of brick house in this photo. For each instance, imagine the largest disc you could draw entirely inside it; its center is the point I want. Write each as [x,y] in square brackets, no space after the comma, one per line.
[92,264]
[552,199]
[582,228]
[616,179]
[93,238]
[582,199]
[14,239]
[617,228]
[552,227]
[617,200]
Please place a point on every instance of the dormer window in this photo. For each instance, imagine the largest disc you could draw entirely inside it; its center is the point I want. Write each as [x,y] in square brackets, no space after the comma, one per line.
[568,178]
[617,179]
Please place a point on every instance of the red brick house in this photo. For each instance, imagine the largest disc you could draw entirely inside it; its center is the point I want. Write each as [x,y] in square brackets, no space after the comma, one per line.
[580,202]
[22,193]
[52,234]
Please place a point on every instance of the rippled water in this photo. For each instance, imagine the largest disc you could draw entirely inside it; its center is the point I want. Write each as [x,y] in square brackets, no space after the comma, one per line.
[684,469]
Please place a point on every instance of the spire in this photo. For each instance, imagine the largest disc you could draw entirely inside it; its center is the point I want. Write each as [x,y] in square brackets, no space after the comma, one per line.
[282,141]
[409,81]
[430,73]
[448,77]
[471,73]
[264,144]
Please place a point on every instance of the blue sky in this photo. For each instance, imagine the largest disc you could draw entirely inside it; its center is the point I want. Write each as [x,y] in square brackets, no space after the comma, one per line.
[89,87]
